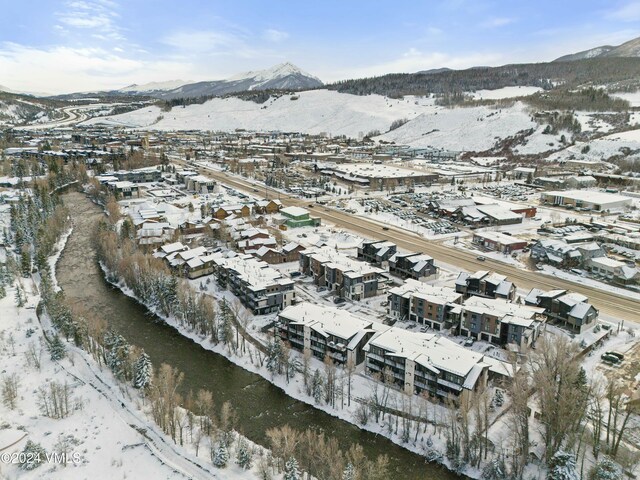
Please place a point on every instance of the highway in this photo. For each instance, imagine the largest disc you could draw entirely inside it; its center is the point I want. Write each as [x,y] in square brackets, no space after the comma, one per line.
[608,303]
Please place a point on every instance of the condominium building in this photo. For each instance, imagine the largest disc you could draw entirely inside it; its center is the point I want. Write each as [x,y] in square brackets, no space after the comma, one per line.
[259,287]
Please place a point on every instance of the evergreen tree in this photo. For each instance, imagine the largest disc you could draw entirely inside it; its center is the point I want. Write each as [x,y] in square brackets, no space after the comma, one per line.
[274,356]
[291,470]
[244,456]
[563,467]
[495,470]
[142,371]
[3,291]
[605,469]
[221,456]
[18,297]
[117,354]
[56,348]
[317,386]
[33,455]
[349,473]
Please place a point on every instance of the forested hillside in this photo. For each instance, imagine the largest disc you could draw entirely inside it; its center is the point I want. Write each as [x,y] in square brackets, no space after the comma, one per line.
[619,74]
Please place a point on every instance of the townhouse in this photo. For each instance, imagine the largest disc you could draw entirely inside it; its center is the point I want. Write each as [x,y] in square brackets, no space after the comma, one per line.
[435,307]
[485,284]
[376,251]
[416,266]
[346,277]
[500,322]
[571,309]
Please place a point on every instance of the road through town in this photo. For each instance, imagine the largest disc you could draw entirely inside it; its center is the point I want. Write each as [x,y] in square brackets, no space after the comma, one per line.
[609,303]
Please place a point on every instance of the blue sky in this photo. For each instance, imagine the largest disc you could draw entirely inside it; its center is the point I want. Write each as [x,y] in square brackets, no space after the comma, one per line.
[77,45]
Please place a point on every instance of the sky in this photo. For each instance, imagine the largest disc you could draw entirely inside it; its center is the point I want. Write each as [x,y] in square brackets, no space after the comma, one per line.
[62,46]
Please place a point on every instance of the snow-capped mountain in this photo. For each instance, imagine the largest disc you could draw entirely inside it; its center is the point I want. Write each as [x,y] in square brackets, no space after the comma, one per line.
[154,86]
[627,49]
[283,76]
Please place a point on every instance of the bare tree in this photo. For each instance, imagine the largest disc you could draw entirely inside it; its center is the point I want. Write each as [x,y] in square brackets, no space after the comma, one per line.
[10,385]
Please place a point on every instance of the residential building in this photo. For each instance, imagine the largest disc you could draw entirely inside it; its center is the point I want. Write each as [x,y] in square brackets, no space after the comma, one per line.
[500,322]
[259,287]
[615,270]
[417,266]
[424,304]
[376,251]
[424,362]
[346,277]
[485,284]
[325,331]
[571,309]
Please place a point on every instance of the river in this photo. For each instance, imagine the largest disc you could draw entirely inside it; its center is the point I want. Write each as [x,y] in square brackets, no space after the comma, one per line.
[258,403]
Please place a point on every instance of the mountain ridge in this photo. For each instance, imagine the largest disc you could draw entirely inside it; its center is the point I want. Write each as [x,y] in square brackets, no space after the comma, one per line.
[630,48]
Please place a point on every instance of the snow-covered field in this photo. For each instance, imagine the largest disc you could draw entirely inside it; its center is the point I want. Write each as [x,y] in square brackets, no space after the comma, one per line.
[463,129]
[632,97]
[505,92]
[313,112]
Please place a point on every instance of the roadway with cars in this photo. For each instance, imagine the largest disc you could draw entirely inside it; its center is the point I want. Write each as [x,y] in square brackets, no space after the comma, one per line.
[609,303]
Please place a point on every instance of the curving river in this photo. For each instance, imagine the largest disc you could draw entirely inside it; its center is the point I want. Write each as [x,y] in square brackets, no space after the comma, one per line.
[259,404]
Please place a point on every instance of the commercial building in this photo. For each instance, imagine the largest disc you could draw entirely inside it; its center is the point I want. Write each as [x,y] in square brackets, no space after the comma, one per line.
[298,217]
[498,242]
[586,199]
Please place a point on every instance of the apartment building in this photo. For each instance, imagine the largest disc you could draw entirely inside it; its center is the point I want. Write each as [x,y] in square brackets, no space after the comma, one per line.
[424,362]
[325,331]
[259,287]
[376,251]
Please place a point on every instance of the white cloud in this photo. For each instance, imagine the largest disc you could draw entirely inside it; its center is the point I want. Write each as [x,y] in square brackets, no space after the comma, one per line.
[273,35]
[200,41]
[63,69]
[629,12]
[97,16]
[414,60]
[497,22]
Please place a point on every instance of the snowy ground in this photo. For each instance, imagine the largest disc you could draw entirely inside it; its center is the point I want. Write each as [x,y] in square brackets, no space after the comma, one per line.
[463,129]
[333,112]
[505,92]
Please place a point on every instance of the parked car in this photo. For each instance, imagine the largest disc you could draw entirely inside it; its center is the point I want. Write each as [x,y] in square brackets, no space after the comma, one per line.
[338,300]
[295,274]
[606,357]
[469,341]
[618,355]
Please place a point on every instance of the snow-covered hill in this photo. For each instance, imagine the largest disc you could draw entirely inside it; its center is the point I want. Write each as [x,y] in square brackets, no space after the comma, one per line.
[627,49]
[317,111]
[313,111]
[470,129]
